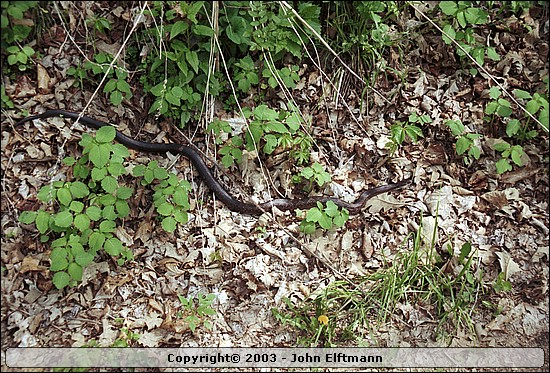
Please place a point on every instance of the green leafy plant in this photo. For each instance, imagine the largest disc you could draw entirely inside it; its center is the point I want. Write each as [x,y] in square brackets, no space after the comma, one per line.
[464,17]
[99,23]
[246,74]
[274,129]
[400,130]
[197,313]
[316,173]
[465,144]
[501,284]
[325,217]
[309,318]
[500,110]
[6,100]
[15,32]
[170,194]
[20,56]
[514,152]
[88,208]
[126,338]
[362,30]
[288,75]
[536,105]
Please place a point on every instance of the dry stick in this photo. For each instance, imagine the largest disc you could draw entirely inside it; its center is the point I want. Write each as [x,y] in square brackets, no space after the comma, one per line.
[479,66]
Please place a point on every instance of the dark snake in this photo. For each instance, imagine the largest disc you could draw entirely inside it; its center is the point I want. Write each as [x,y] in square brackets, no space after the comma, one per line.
[220,192]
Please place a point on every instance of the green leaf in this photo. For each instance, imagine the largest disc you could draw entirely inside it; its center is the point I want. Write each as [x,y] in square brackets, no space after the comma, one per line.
[449,30]
[521,94]
[109,184]
[307,227]
[501,146]
[277,126]
[270,143]
[397,133]
[172,99]
[165,209]
[58,259]
[124,192]
[99,155]
[169,224]
[492,54]
[314,214]
[113,246]
[75,271]
[262,112]
[110,86]
[331,209]
[93,213]
[181,199]
[82,257]
[494,92]
[116,98]
[96,241]
[503,165]
[64,196]
[414,132]
[464,252]
[504,110]
[47,193]
[513,127]
[203,30]
[120,151]
[474,152]
[181,216]
[82,222]
[123,86]
[61,279]
[107,199]
[76,206]
[107,226]
[139,170]
[456,126]
[63,219]
[105,134]
[450,8]
[98,174]
[325,221]
[532,106]
[28,217]
[340,219]
[178,28]
[462,145]
[42,221]
[79,189]
[193,59]
[122,208]
[517,152]
[69,161]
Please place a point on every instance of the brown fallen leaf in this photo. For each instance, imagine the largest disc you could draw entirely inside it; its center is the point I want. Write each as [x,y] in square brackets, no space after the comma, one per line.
[43,79]
[497,198]
[519,174]
[31,264]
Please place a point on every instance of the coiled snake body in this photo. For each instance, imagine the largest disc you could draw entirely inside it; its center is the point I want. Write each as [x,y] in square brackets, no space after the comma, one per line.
[195,158]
